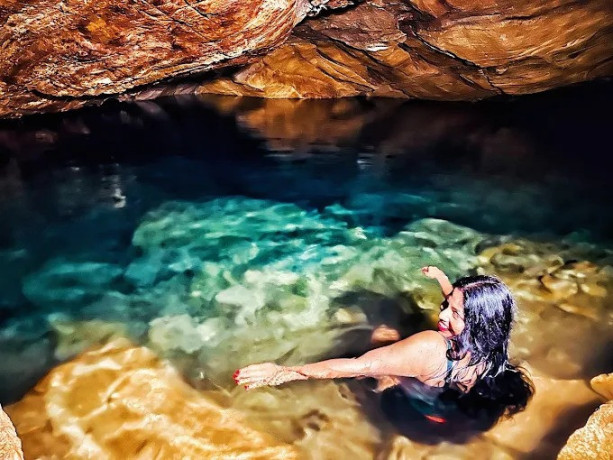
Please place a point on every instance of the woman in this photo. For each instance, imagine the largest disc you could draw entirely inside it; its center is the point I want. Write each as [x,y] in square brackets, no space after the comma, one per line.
[468,351]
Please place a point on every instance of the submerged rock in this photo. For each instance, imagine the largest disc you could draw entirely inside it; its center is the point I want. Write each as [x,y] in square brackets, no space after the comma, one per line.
[120,401]
[323,419]
[74,337]
[66,282]
[564,293]
[603,385]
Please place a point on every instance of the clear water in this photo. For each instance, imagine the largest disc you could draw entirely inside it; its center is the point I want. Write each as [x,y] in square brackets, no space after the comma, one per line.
[199,236]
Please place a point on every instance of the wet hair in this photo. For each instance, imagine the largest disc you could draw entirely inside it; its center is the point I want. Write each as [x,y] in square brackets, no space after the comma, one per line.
[489,312]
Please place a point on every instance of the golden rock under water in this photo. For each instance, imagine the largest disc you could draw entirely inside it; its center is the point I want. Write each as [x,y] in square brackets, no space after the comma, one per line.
[120,401]
[603,385]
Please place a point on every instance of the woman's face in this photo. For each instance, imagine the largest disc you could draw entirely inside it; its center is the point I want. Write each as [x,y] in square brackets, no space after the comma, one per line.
[451,317]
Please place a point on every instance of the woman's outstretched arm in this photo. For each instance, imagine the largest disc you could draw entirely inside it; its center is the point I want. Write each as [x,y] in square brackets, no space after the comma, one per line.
[419,355]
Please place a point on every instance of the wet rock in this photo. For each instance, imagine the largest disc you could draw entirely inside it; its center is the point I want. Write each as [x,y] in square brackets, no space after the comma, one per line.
[404,49]
[83,50]
[74,337]
[175,333]
[603,385]
[120,401]
[542,428]
[67,282]
[323,419]
[560,287]
[26,354]
[402,448]
[594,440]
[10,445]
[564,294]
[423,49]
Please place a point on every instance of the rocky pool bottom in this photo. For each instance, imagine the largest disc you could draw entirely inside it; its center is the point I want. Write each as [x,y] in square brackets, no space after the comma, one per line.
[215,285]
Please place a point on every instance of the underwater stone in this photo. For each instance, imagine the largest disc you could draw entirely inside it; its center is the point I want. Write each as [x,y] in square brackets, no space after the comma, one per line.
[61,281]
[560,287]
[143,272]
[121,401]
[324,419]
[553,309]
[603,385]
[73,336]
[175,333]
[593,289]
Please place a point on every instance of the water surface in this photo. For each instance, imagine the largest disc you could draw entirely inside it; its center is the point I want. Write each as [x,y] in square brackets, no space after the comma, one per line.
[221,232]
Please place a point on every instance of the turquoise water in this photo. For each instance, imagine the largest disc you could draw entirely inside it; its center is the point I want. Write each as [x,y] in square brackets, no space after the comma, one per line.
[218,246]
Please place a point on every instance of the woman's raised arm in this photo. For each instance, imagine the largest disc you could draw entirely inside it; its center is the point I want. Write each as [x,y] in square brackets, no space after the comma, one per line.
[437,274]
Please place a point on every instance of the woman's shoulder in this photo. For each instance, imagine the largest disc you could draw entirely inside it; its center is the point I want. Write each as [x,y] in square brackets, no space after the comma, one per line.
[429,337]
[430,341]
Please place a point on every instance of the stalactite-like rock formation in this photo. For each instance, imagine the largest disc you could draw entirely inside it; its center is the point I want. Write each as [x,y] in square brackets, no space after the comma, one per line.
[62,54]
[57,54]
[429,49]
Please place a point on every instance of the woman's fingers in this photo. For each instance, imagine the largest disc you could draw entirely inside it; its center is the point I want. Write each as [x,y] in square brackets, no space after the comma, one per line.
[255,375]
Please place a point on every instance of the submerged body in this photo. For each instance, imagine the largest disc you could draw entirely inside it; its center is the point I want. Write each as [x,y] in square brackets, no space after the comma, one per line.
[469,349]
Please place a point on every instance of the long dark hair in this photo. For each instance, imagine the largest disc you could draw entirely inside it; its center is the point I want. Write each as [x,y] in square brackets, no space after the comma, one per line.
[489,312]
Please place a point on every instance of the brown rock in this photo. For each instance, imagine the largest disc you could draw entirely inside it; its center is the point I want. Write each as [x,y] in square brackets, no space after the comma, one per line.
[594,440]
[10,446]
[563,322]
[62,55]
[55,53]
[603,385]
[435,50]
[120,401]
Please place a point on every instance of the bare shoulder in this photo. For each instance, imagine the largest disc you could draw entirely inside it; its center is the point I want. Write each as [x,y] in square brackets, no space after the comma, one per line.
[426,339]
[423,344]
[418,355]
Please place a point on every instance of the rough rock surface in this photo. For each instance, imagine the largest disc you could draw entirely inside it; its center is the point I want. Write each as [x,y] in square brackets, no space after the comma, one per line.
[81,52]
[56,53]
[10,445]
[594,440]
[428,49]
[120,401]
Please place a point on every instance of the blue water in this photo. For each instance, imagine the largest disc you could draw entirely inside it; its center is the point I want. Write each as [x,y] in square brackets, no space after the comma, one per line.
[132,214]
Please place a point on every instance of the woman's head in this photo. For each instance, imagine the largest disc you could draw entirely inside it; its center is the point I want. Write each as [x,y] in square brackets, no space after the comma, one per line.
[478,315]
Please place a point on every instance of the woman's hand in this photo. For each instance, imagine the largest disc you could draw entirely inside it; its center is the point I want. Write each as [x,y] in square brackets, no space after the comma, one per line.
[437,274]
[259,375]
[432,272]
